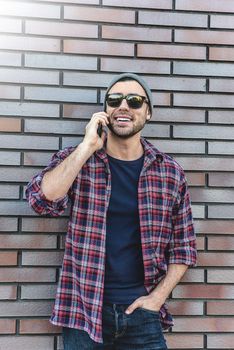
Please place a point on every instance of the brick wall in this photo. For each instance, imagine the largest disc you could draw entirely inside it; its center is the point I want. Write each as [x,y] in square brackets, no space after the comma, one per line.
[56,58]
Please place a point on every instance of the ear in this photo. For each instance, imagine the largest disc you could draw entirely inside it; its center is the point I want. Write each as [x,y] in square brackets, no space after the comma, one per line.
[148,116]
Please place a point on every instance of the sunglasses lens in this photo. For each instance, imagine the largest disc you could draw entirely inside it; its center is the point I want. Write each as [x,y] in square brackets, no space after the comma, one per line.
[114,100]
[135,101]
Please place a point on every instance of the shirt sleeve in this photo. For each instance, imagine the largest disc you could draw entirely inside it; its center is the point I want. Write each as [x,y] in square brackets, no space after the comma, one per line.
[182,246]
[36,198]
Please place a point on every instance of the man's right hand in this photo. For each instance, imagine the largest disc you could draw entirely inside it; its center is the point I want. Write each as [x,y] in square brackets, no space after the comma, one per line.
[56,183]
[91,139]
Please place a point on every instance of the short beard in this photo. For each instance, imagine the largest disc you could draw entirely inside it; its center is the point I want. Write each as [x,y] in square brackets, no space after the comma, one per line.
[128,135]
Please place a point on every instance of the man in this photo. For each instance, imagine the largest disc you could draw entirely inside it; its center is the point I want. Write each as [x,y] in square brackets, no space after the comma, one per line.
[130,235]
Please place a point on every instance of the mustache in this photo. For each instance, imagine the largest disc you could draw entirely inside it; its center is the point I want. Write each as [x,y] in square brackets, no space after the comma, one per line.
[119,114]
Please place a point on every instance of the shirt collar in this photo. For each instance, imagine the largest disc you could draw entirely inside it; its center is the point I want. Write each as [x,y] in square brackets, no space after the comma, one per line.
[151,153]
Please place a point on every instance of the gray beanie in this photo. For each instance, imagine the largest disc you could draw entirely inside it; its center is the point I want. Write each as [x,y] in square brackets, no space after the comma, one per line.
[136,77]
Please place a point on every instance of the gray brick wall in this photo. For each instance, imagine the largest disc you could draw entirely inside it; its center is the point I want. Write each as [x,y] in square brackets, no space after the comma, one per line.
[56,58]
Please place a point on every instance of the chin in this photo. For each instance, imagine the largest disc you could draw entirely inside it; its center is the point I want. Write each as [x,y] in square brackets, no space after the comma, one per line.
[122,132]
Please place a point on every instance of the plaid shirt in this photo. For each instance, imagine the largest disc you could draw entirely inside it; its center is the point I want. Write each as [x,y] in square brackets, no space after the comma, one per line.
[167,232]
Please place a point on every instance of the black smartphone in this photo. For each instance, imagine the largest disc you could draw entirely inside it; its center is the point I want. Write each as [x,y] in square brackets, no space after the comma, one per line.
[99,130]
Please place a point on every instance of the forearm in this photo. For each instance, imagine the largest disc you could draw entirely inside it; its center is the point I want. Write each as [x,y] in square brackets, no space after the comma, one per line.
[158,296]
[164,288]
[56,183]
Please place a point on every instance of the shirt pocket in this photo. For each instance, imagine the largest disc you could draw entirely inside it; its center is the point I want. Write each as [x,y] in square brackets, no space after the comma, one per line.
[162,205]
[161,221]
[162,200]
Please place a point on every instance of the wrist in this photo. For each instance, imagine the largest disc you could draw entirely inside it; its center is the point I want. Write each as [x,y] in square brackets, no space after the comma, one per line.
[80,155]
[160,297]
[85,148]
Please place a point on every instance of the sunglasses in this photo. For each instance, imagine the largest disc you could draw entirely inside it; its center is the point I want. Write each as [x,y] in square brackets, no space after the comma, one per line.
[133,100]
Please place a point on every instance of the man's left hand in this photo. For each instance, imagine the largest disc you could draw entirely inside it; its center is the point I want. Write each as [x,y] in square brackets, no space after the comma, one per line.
[147,302]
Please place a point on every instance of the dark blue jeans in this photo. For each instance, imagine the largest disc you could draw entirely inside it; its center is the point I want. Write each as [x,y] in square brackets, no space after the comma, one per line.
[137,331]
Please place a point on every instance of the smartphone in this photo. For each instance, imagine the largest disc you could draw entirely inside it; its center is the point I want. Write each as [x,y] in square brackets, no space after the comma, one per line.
[99,130]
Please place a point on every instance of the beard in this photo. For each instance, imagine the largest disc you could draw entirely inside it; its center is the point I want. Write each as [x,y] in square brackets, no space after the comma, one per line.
[126,131]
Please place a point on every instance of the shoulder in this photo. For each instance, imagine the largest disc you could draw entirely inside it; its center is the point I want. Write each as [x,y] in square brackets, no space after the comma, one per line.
[168,164]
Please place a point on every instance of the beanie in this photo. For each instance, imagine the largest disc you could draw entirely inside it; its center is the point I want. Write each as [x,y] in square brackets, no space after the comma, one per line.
[136,77]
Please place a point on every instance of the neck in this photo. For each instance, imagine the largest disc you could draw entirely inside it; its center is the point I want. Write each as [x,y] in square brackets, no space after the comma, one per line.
[124,149]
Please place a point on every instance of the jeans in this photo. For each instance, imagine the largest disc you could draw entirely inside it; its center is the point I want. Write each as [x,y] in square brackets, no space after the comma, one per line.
[137,331]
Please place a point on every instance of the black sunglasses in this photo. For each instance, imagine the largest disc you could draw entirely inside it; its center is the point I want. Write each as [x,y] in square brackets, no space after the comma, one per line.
[133,100]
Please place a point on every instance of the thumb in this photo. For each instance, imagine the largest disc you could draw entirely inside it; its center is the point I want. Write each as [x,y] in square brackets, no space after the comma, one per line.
[103,136]
[133,307]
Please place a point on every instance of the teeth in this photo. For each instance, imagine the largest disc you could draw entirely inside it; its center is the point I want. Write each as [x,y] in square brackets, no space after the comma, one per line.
[123,119]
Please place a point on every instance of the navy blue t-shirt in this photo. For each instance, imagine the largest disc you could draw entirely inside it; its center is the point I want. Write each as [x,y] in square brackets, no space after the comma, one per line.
[124,276]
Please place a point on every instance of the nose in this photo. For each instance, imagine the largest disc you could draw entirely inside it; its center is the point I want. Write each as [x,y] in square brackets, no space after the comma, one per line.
[124,104]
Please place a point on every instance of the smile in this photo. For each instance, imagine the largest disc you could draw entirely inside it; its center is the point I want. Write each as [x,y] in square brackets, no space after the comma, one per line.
[123,119]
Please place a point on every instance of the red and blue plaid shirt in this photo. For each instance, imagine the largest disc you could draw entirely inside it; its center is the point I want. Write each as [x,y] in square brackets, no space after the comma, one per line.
[167,232]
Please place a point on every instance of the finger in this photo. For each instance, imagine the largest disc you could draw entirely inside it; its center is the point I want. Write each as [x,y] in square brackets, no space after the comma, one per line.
[133,307]
[101,113]
[94,122]
[101,116]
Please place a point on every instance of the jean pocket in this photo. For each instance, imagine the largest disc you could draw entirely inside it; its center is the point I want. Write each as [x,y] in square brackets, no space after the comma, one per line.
[150,311]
